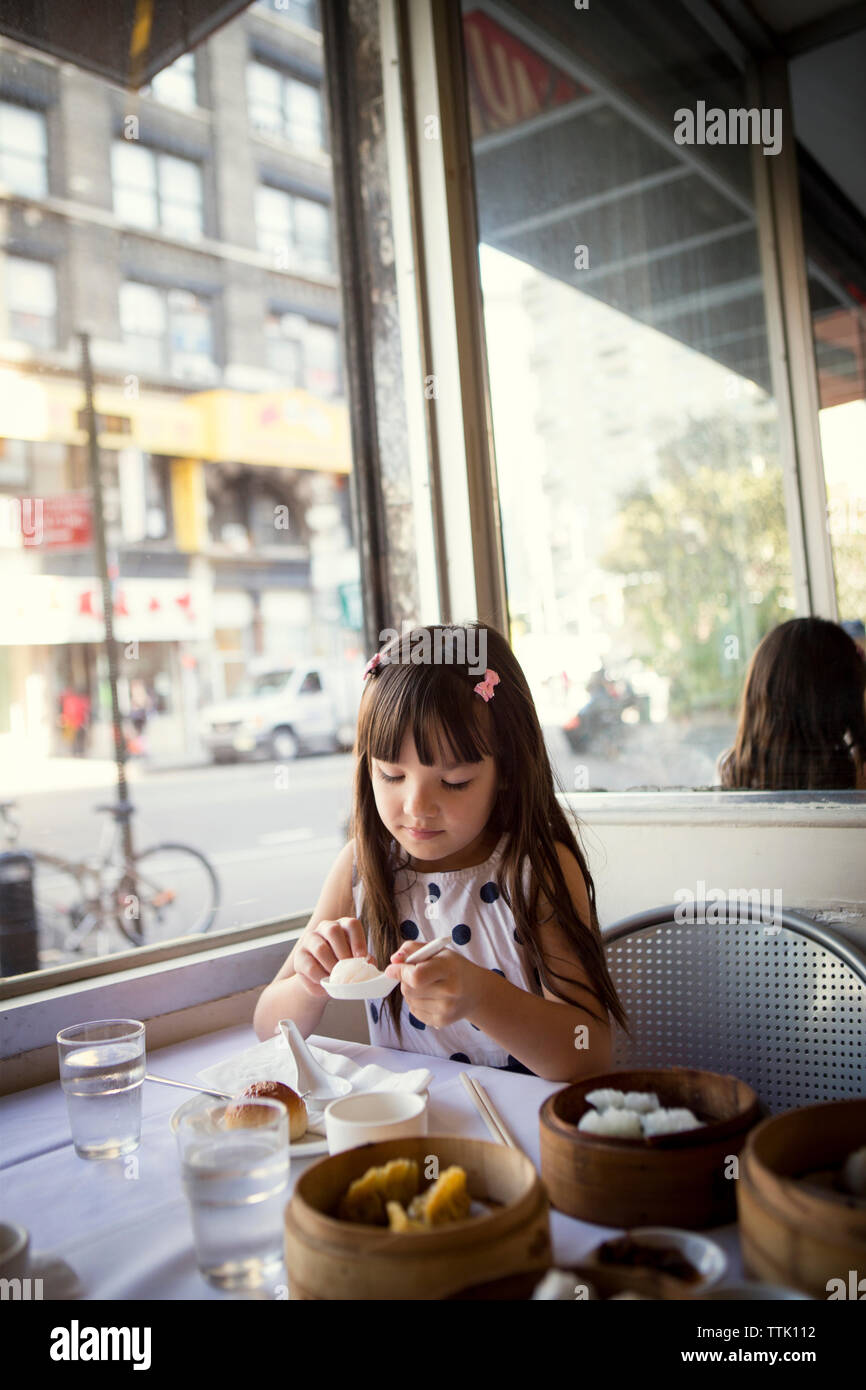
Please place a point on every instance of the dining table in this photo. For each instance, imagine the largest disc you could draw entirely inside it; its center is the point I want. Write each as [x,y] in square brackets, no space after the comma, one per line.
[119,1229]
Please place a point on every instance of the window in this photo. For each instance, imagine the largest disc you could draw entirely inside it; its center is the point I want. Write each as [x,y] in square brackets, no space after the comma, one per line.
[176,84]
[284,335]
[31,302]
[301,11]
[295,230]
[624,310]
[311,684]
[285,107]
[167,332]
[323,360]
[156,190]
[304,354]
[23,151]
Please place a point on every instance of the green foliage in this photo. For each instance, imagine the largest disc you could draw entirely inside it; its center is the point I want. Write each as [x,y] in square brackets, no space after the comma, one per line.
[705,561]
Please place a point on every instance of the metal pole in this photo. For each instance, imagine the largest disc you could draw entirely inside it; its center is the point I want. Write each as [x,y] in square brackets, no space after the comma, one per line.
[105,578]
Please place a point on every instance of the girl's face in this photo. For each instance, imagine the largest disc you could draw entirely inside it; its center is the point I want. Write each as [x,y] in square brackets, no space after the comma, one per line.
[438,814]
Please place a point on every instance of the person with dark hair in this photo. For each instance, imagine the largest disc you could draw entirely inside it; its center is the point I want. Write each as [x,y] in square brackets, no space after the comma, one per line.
[802,723]
[457,831]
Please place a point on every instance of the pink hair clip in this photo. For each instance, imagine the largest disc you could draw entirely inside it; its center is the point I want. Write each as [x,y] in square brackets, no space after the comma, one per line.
[371,665]
[485,688]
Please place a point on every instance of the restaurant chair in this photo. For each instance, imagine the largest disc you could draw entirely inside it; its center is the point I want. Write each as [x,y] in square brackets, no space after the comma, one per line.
[782,1007]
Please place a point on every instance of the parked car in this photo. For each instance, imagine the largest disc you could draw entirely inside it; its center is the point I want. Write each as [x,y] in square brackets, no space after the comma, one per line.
[284,712]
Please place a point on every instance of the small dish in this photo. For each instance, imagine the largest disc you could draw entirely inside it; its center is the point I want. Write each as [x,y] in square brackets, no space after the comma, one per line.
[378,988]
[705,1255]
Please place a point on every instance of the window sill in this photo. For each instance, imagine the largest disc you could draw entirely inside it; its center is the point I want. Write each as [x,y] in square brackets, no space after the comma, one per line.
[839,810]
[181,995]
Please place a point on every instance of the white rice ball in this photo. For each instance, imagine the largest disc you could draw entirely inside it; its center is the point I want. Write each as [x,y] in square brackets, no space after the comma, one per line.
[854,1172]
[606,1099]
[641,1101]
[352,971]
[622,1124]
[669,1122]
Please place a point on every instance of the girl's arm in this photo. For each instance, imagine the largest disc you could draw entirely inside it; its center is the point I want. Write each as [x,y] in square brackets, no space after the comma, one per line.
[556,1039]
[286,996]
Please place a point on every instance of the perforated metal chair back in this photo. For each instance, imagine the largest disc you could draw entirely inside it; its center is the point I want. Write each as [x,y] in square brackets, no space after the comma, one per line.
[781,1007]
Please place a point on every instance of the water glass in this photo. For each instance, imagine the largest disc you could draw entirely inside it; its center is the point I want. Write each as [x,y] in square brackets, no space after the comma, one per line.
[102,1066]
[236,1180]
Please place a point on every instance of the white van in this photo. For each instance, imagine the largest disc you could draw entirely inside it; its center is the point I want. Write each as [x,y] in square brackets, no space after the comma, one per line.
[283,712]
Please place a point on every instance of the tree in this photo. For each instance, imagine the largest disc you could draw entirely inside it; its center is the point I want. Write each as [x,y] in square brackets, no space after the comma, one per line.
[704,557]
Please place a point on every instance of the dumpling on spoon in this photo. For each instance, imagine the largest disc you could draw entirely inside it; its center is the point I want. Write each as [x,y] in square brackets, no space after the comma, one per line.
[353,971]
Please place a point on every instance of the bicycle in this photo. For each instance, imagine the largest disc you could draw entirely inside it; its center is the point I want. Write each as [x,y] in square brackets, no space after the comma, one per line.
[167,891]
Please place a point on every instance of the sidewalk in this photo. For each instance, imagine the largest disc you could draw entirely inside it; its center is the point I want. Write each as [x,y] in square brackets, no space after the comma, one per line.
[23,771]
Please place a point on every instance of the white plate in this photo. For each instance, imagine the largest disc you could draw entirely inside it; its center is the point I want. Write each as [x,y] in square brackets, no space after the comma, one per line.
[306,1147]
[707,1257]
[378,988]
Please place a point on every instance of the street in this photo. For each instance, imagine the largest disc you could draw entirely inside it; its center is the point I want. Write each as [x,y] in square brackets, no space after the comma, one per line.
[272,830]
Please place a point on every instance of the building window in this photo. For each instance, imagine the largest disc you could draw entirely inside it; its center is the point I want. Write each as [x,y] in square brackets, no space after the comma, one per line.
[176,85]
[304,354]
[285,107]
[284,335]
[31,301]
[296,231]
[157,498]
[156,190]
[323,361]
[301,11]
[168,332]
[23,151]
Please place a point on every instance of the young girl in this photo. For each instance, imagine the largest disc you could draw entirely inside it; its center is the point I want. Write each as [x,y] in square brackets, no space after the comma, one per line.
[457,831]
[802,722]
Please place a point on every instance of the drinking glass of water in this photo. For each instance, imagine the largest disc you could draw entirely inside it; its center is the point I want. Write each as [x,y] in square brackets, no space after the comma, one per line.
[236,1175]
[102,1066]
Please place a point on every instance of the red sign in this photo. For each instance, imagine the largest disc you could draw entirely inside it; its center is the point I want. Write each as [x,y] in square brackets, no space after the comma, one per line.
[62,522]
[509,82]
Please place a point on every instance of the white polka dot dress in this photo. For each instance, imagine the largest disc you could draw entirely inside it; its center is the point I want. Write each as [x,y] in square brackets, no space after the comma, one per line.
[467,905]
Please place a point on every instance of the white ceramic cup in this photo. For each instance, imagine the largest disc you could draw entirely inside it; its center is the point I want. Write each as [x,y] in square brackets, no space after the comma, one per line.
[373,1115]
[14,1250]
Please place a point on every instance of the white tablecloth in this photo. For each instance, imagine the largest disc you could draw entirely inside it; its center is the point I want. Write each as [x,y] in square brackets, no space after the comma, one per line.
[124,1227]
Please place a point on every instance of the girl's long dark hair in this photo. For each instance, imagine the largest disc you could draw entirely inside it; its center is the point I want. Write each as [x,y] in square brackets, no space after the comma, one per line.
[438,704]
[802,722]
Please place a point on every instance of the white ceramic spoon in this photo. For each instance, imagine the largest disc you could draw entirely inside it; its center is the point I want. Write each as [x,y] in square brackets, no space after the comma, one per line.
[380,986]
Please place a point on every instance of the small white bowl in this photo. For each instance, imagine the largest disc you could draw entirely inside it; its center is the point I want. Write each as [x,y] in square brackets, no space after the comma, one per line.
[707,1257]
[378,988]
[373,1116]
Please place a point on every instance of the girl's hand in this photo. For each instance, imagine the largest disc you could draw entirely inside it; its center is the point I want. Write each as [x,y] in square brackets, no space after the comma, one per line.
[438,991]
[318,951]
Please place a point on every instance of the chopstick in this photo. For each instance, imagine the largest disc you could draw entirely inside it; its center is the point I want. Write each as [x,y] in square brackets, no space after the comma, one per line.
[488,1112]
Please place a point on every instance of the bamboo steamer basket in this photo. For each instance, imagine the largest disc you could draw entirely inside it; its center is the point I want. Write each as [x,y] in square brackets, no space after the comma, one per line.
[331,1259]
[683,1180]
[795,1228]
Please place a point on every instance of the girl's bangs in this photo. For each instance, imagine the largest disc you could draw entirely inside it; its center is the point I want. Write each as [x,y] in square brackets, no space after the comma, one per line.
[440,715]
